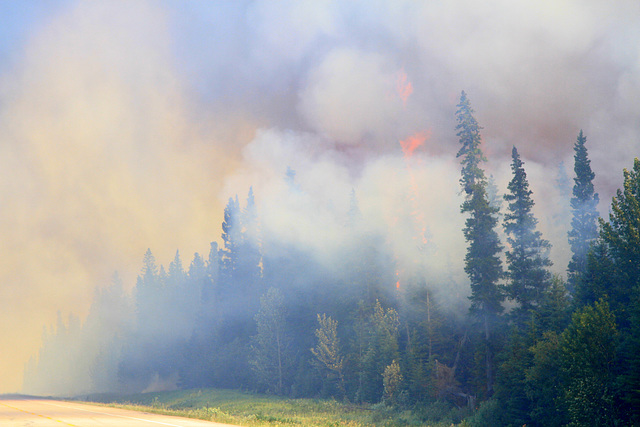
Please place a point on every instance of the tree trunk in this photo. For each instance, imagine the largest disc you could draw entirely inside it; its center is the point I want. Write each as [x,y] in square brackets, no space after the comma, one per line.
[488,358]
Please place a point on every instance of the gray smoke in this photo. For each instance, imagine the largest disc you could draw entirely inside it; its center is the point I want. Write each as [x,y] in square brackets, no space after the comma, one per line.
[129,125]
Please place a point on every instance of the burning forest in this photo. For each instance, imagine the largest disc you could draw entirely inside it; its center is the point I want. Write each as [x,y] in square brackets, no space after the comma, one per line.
[391,204]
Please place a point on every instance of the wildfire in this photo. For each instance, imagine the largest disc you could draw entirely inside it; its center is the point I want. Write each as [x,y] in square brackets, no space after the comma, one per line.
[408,147]
[410,144]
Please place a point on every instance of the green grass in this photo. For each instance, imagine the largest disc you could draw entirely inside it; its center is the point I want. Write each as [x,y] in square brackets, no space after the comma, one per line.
[246,409]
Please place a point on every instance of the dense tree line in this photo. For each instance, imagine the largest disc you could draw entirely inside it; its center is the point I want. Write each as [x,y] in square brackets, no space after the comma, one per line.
[261,315]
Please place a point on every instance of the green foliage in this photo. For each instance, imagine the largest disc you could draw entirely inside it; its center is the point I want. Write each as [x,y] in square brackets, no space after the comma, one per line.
[488,414]
[511,384]
[630,378]
[584,205]
[395,351]
[527,257]
[621,234]
[544,386]
[270,359]
[328,358]
[231,230]
[249,409]
[392,382]
[468,131]
[482,261]
[381,349]
[588,359]
[553,313]
[430,337]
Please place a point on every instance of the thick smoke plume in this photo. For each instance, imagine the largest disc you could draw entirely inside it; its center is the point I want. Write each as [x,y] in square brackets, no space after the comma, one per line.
[128,125]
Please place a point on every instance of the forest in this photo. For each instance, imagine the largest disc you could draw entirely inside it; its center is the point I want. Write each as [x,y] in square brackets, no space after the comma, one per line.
[522,347]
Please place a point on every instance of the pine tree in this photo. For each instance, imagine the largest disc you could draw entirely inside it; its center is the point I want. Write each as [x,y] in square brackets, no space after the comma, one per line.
[553,314]
[584,203]
[527,259]
[613,275]
[176,274]
[482,261]
[588,365]
[544,386]
[381,350]
[149,268]
[148,292]
[231,231]
[614,264]
[621,234]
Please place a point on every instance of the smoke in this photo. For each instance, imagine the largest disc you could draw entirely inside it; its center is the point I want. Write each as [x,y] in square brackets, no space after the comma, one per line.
[128,125]
[102,159]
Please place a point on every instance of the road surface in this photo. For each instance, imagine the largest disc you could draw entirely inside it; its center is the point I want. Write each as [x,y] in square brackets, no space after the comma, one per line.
[33,412]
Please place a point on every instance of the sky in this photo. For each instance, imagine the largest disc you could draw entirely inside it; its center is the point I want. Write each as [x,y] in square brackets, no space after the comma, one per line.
[126,125]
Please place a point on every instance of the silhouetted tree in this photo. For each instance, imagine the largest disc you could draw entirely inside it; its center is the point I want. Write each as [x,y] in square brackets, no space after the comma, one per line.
[149,295]
[482,261]
[584,203]
[527,257]
[231,236]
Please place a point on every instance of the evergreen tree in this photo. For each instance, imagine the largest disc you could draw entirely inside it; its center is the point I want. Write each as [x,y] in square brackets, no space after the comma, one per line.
[588,365]
[553,314]
[527,259]
[148,294]
[176,275]
[231,236]
[381,350]
[511,384]
[584,203]
[631,353]
[149,267]
[614,264]
[621,234]
[543,384]
[482,261]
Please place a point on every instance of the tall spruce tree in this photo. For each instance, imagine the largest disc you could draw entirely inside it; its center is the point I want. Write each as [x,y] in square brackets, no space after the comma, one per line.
[482,261]
[231,232]
[527,259]
[584,203]
[621,234]
[613,275]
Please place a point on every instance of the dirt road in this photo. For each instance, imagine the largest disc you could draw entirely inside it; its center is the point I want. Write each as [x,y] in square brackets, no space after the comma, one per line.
[19,411]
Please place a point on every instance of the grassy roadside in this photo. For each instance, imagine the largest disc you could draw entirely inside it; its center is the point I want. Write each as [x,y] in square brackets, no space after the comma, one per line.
[245,409]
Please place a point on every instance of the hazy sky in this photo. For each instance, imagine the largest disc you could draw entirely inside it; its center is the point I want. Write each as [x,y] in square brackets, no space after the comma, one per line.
[125,125]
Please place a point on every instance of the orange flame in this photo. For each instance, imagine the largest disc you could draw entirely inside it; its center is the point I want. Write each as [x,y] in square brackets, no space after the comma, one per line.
[404,87]
[410,144]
